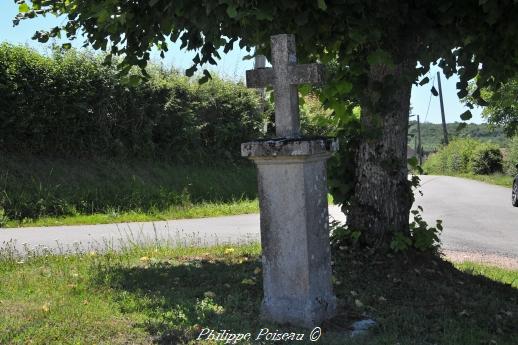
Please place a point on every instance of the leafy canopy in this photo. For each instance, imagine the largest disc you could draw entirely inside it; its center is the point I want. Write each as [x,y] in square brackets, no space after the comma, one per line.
[502,107]
[473,38]
[375,50]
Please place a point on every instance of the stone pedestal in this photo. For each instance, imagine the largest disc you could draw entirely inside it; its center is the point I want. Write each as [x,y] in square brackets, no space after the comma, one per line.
[294,229]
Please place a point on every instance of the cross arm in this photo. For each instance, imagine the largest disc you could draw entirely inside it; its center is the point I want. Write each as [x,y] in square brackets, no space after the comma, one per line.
[259,78]
[306,74]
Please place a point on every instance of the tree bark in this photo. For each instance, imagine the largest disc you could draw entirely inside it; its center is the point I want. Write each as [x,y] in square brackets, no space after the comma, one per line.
[382,195]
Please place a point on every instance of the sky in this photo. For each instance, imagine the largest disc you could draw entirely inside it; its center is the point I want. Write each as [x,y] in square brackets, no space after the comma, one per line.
[232,66]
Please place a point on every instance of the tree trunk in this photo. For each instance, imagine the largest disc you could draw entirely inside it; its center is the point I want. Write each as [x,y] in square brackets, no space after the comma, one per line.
[382,200]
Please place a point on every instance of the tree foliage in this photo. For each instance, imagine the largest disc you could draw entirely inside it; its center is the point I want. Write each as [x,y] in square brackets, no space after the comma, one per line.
[502,106]
[511,161]
[376,49]
[475,39]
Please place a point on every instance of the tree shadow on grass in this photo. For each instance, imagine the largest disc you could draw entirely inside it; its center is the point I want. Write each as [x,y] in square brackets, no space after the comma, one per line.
[176,299]
[421,299]
[414,299]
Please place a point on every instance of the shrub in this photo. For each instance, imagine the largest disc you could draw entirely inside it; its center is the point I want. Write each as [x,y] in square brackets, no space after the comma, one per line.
[464,156]
[451,159]
[315,120]
[511,158]
[69,104]
[486,160]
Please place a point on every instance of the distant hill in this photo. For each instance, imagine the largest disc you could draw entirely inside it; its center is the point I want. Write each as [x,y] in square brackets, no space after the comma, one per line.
[431,134]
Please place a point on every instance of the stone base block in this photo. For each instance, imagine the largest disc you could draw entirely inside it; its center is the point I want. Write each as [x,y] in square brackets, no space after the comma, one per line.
[308,312]
[294,229]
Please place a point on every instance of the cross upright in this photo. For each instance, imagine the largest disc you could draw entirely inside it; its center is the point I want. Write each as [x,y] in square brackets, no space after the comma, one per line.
[292,185]
[284,77]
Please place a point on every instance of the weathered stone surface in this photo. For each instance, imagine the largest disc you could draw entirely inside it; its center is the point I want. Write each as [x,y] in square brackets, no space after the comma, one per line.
[292,199]
[295,239]
[284,76]
[259,78]
[306,74]
[289,147]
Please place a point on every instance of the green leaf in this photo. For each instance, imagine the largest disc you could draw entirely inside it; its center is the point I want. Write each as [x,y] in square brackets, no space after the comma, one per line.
[465,116]
[462,93]
[206,77]
[434,92]
[412,161]
[322,5]
[304,90]
[134,80]
[66,46]
[424,81]
[344,87]
[108,60]
[232,11]
[203,80]
[190,71]
[24,8]
[380,57]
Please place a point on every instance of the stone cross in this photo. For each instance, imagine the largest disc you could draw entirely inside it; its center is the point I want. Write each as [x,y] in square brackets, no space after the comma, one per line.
[284,77]
[292,187]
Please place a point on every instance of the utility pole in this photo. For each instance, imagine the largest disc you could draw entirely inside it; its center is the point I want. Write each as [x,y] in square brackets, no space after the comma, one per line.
[446,142]
[419,148]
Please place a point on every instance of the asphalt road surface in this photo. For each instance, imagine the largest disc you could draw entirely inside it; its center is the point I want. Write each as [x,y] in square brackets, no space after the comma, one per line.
[477,217]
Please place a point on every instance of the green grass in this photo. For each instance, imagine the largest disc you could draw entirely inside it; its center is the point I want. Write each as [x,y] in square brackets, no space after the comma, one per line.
[165,295]
[201,210]
[48,192]
[497,179]
[45,191]
[495,273]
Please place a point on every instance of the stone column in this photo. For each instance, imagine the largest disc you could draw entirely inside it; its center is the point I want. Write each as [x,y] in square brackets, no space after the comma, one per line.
[294,229]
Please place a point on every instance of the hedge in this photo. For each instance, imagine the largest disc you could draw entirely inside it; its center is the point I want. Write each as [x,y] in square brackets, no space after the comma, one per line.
[69,104]
[512,157]
[464,156]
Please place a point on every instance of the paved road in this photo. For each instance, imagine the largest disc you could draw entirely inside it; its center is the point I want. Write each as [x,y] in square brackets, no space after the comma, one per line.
[203,231]
[477,217]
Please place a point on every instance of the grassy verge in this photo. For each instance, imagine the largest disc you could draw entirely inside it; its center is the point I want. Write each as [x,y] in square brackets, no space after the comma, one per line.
[201,210]
[42,191]
[498,179]
[167,296]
